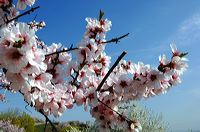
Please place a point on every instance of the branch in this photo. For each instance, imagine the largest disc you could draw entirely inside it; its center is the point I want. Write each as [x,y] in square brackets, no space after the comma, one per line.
[101,14]
[46,117]
[61,51]
[121,115]
[56,61]
[45,127]
[116,40]
[48,120]
[77,72]
[103,81]
[23,14]
[110,71]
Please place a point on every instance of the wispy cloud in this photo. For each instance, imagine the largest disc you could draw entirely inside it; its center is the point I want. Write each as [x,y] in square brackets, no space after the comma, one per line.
[188,33]
[141,51]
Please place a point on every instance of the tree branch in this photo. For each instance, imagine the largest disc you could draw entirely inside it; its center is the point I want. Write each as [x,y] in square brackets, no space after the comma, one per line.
[45,127]
[23,14]
[77,72]
[121,115]
[48,120]
[110,71]
[61,51]
[116,40]
[46,117]
[101,14]
[103,81]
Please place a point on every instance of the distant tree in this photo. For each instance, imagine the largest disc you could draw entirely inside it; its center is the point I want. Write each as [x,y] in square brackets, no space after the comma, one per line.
[7,126]
[19,119]
[150,121]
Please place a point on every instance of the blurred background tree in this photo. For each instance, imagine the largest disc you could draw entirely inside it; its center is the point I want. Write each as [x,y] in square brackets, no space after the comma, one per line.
[150,121]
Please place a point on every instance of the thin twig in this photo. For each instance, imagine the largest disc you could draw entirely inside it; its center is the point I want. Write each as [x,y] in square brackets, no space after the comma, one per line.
[77,72]
[27,108]
[48,120]
[23,14]
[116,40]
[121,115]
[103,81]
[61,51]
[35,17]
[56,61]
[45,127]
[46,117]
[110,71]
[101,14]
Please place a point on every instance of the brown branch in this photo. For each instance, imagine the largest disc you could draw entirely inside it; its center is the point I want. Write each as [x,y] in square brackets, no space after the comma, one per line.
[23,14]
[116,40]
[103,81]
[77,72]
[121,115]
[75,79]
[110,71]
[45,127]
[48,120]
[56,61]
[46,117]
[61,51]
[101,14]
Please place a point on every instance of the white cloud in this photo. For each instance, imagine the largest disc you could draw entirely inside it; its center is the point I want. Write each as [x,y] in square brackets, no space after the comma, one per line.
[189,31]
[186,34]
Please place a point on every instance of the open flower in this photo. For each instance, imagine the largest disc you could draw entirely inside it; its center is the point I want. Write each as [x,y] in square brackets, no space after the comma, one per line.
[154,78]
[14,60]
[40,81]
[21,4]
[79,97]
[17,82]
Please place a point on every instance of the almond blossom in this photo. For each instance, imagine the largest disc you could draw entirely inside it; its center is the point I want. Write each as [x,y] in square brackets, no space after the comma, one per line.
[21,4]
[53,80]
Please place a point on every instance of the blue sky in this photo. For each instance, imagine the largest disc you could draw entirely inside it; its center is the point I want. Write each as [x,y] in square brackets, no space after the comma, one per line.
[152,25]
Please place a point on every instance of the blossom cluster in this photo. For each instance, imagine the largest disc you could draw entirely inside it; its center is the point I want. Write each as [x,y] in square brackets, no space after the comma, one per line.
[6,126]
[51,81]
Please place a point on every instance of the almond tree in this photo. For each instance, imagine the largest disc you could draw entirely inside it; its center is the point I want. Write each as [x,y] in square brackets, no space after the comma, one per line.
[51,81]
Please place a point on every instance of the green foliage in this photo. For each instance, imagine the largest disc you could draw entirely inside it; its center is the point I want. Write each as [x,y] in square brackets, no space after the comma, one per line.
[20,119]
[74,126]
[71,126]
[40,128]
[71,129]
[150,121]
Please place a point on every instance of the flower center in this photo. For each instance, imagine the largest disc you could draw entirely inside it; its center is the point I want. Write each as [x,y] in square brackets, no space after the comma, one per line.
[123,84]
[153,77]
[16,55]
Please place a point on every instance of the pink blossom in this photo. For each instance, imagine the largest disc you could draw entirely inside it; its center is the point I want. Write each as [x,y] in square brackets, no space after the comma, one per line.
[21,4]
[14,60]
[52,81]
